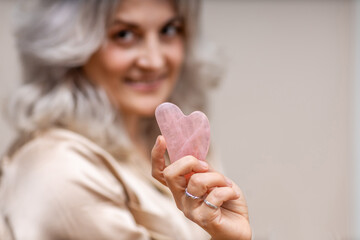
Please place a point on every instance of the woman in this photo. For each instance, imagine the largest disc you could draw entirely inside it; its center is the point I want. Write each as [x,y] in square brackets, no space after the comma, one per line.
[94,72]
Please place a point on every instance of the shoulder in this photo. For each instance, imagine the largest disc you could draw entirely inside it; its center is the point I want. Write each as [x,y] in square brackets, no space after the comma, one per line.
[62,175]
[61,159]
[61,149]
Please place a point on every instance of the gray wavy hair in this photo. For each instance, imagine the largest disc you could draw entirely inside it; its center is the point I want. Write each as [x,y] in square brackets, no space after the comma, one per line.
[56,37]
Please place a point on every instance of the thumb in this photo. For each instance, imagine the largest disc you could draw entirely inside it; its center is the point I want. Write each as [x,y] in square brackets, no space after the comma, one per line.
[158,159]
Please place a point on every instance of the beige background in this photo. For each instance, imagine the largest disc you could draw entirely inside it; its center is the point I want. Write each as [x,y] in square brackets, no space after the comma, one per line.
[282,118]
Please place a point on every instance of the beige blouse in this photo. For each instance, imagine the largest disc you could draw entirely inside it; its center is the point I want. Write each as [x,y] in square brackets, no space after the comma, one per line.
[60,185]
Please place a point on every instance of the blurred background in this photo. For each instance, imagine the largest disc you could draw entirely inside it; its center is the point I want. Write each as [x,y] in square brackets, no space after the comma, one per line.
[286,118]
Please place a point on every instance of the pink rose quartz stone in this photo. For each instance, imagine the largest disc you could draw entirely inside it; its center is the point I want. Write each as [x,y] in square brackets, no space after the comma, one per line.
[184,135]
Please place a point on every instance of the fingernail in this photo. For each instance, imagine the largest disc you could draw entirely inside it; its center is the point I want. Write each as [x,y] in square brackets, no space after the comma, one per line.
[157,141]
[237,193]
[229,182]
[204,164]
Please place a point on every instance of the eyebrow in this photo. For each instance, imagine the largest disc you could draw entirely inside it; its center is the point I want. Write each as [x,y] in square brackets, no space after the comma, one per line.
[134,25]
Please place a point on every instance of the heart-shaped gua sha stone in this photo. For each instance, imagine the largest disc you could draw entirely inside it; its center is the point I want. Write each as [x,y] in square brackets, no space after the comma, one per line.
[184,135]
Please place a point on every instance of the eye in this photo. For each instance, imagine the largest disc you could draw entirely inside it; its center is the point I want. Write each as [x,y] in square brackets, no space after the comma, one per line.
[125,36]
[171,30]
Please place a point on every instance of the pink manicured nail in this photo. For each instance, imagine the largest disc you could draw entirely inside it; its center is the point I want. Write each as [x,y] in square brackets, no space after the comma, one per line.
[229,182]
[204,164]
[157,141]
[238,194]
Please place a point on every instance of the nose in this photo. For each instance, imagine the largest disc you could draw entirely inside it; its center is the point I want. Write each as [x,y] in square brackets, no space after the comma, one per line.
[152,57]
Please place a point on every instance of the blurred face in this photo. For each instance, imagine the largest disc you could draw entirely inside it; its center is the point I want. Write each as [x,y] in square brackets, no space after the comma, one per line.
[139,63]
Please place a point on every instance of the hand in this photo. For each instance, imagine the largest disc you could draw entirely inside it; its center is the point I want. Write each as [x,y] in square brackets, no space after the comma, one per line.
[217,204]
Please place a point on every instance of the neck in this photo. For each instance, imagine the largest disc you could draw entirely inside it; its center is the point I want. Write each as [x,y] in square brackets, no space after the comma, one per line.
[132,126]
[131,123]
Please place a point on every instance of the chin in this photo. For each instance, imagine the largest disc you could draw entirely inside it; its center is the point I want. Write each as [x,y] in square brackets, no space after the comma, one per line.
[144,108]
[147,112]
[143,105]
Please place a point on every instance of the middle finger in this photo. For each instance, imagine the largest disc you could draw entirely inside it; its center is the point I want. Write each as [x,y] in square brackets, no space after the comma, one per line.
[200,183]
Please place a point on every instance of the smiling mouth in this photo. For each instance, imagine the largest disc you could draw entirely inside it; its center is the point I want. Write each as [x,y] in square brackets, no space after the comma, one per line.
[145,85]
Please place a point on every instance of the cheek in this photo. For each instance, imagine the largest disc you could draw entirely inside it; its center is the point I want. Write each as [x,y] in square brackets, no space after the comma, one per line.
[176,56]
[107,66]
[117,62]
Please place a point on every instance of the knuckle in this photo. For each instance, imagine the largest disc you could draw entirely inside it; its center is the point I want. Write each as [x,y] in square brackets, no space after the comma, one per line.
[155,156]
[168,173]
[190,159]
[202,220]
[154,173]
[189,213]
[179,206]
[195,180]
[217,193]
